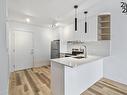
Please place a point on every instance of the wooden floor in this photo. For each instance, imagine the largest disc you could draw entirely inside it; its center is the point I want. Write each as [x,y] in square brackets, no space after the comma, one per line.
[37,82]
[106,87]
[31,82]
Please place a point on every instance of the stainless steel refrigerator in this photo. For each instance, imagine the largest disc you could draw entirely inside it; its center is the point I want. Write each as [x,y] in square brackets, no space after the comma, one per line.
[55,49]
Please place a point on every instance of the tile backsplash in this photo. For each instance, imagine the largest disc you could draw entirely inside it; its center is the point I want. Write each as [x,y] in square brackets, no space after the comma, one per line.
[100,48]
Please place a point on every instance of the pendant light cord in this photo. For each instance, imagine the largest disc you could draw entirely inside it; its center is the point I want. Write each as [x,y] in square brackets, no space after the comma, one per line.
[76,19]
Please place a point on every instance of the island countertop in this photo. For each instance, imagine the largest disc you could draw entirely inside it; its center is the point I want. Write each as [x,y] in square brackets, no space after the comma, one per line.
[74,62]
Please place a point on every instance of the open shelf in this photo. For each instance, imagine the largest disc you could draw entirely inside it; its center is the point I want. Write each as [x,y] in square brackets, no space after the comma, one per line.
[104,21]
[104,27]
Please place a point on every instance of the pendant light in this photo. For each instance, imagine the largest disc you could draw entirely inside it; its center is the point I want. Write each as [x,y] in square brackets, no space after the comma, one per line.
[76,19]
[85,21]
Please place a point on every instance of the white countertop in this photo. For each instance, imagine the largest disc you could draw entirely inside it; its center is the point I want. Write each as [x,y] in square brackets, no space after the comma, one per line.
[66,52]
[74,62]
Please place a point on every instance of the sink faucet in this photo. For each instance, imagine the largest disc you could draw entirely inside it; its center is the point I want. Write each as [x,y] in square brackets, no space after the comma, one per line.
[85,52]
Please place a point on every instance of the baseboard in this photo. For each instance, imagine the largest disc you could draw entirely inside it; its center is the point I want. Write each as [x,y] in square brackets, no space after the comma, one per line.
[41,63]
[116,80]
[36,64]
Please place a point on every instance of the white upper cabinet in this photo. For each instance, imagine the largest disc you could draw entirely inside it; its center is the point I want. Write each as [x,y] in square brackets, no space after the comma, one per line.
[91,34]
[69,34]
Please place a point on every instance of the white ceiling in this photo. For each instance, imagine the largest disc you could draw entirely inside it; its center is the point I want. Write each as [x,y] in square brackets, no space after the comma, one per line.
[41,11]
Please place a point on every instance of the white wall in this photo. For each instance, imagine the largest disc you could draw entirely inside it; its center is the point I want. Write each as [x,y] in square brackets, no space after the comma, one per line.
[3,50]
[115,66]
[42,40]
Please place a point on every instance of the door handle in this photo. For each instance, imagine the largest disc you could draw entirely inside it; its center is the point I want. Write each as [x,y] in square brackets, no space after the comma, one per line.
[13,50]
[32,51]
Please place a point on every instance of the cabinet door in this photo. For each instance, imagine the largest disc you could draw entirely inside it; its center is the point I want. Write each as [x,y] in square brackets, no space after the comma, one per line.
[68,33]
[91,34]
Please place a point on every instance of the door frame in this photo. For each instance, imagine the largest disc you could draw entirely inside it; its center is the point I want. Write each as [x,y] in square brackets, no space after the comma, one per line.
[13,64]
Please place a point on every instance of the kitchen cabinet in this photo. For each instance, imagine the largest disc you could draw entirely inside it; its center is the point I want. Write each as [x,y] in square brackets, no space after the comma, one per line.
[68,33]
[98,29]
[75,75]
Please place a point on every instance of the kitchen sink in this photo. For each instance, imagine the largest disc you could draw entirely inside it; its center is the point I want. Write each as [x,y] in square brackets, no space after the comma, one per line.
[79,57]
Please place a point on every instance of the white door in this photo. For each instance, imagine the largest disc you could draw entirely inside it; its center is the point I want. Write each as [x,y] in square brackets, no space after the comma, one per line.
[23,50]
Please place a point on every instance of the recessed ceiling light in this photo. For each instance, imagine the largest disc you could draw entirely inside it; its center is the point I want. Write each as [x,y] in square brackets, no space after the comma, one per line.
[27,20]
[57,24]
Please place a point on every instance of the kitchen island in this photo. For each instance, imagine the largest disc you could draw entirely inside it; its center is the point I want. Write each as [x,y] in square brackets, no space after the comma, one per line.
[73,75]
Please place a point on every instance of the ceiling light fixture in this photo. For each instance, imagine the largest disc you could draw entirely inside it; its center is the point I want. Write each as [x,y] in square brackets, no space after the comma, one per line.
[76,19]
[27,20]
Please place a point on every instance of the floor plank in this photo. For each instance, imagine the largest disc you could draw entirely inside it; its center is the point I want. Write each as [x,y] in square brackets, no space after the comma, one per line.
[106,87]
[36,81]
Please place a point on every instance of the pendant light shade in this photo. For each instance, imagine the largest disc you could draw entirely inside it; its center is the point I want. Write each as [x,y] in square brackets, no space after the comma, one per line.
[76,24]
[76,19]
[85,21]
